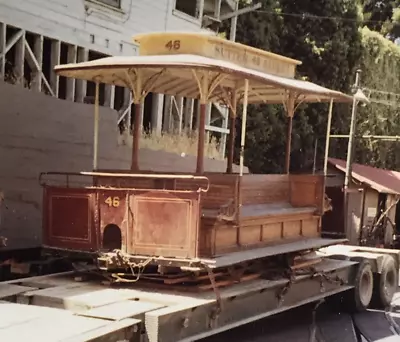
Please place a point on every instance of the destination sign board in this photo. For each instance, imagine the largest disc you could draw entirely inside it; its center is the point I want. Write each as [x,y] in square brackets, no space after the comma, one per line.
[167,43]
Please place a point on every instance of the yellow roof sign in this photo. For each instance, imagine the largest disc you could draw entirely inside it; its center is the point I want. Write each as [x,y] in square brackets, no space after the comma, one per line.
[174,43]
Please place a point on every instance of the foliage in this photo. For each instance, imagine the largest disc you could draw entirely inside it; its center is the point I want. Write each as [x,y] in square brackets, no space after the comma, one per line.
[329,50]
[173,142]
[382,16]
[381,70]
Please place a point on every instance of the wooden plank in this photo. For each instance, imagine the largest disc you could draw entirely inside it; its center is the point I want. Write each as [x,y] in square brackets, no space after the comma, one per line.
[9,290]
[55,60]
[188,117]
[125,330]
[3,37]
[79,298]
[71,58]
[60,326]
[38,53]
[109,96]
[12,314]
[301,244]
[19,60]
[81,85]
[122,310]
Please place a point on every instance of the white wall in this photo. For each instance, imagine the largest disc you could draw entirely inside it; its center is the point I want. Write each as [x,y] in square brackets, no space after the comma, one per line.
[74,21]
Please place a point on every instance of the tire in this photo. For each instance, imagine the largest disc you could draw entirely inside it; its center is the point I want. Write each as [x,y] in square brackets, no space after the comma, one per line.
[385,283]
[359,298]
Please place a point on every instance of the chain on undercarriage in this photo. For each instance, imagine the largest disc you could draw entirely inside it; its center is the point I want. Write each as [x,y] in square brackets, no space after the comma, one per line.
[123,260]
[313,273]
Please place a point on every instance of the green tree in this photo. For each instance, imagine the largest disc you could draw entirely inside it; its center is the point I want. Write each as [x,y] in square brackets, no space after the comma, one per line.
[382,16]
[329,50]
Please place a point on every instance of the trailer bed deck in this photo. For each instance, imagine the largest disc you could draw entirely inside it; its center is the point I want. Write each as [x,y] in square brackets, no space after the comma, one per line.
[91,311]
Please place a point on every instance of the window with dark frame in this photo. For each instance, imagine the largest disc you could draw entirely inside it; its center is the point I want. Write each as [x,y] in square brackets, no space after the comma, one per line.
[112,3]
[188,7]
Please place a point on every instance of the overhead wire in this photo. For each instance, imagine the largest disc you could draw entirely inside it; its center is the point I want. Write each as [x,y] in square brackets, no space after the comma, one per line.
[313,16]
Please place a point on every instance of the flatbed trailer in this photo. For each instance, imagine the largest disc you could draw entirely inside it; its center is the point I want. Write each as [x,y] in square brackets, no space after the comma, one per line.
[79,306]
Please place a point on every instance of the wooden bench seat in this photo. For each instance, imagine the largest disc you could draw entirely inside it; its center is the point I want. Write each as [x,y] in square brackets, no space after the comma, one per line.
[250,211]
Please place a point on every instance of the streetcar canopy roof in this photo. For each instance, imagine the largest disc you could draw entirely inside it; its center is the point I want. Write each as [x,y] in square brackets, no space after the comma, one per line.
[183,75]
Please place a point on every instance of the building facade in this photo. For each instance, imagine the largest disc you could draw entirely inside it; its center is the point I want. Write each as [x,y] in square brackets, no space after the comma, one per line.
[36,35]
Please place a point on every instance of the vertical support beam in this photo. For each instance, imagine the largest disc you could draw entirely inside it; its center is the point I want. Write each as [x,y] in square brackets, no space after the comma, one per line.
[55,60]
[157,113]
[128,107]
[290,108]
[167,113]
[179,104]
[232,133]
[80,85]
[19,60]
[197,123]
[328,138]
[96,126]
[200,4]
[244,122]
[223,135]
[38,53]
[288,143]
[217,9]
[109,96]
[208,121]
[3,37]
[347,177]
[232,33]
[201,138]
[71,58]
[189,106]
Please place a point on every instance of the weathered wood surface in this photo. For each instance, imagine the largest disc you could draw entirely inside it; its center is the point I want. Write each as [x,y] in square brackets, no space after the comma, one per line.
[20,322]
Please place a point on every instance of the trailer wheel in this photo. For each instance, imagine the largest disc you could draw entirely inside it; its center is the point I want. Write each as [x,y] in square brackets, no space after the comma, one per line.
[359,298]
[385,283]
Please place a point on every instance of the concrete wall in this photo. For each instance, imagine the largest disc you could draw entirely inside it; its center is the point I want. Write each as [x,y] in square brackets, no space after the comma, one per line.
[41,133]
[74,21]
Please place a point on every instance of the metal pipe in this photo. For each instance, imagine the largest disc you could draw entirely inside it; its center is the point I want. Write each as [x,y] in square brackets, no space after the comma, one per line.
[328,137]
[96,126]
[244,120]
[368,136]
[232,133]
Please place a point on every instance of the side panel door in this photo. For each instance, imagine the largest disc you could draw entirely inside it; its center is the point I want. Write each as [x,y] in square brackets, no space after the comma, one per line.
[164,224]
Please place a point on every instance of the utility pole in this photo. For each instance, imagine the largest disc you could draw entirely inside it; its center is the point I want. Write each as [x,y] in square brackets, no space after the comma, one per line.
[352,133]
[357,97]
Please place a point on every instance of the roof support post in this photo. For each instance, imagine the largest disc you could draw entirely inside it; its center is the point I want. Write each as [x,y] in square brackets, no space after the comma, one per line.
[96,126]
[136,135]
[290,108]
[244,121]
[201,138]
[232,133]
[202,123]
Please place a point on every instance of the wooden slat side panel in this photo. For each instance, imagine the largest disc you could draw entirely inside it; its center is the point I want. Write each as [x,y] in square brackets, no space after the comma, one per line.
[307,190]
[264,189]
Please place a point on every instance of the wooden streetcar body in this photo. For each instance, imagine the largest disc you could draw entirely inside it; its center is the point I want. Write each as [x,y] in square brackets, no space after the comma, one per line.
[177,220]
[172,216]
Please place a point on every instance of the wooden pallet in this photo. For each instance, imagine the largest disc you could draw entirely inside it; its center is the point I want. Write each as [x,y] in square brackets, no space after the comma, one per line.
[190,281]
